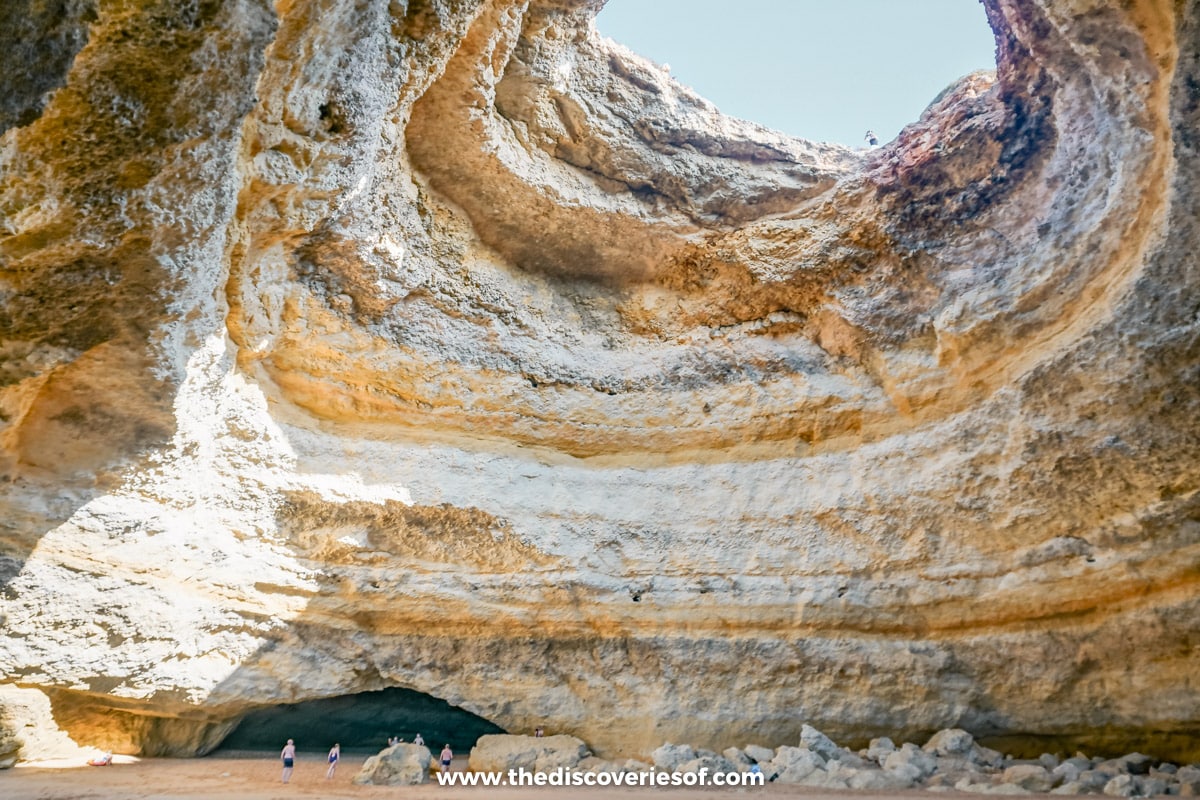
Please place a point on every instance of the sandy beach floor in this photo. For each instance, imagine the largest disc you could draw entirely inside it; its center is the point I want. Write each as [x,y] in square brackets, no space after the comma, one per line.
[258,778]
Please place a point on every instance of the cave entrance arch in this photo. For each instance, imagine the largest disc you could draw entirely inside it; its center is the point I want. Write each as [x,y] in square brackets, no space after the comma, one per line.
[361,723]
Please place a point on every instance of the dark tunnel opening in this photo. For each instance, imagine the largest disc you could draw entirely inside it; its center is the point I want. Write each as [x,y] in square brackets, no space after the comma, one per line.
[361,723]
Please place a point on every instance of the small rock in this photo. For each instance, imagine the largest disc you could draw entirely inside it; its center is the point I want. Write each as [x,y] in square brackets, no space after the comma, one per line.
[1150,787]
[1049,761]
[914,756]
[1132,764]
[1188,774]
[1094,780]
[818,742]
[1070,787]
[758,754]
[1121,786]
[821,779]
[794,764]
[880,748]
[906,772]
[711,762]
[736,757]
[957,765]
[1067,771]
[950,742]
[854,760]
[875,779]
[1031,777]
[1164,770]
[670,756]
[987,757]
[633,765]
[1189,788]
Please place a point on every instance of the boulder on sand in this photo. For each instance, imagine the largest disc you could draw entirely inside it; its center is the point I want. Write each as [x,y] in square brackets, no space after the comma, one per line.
[398,765]
[500,752]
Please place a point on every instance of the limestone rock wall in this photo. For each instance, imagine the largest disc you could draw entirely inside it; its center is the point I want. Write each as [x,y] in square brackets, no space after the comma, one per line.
[446,345]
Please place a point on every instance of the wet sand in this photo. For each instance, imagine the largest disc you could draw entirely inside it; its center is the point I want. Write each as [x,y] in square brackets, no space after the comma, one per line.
[258,778]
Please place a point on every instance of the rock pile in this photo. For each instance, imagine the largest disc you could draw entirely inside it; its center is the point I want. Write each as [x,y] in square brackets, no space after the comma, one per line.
[950,760]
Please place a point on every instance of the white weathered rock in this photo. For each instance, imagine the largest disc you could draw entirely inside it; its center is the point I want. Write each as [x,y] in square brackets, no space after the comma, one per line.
[1033,777]
[795,764]
[398,765]
[1148,786]
[950,742]
[1070,787]
[819,743]
[1121,786]
[1129,764]
[28,730]
[504,752]
[976,786]
[880,748]
[870,779]
[758,753]
[1067,771]
[738,758]
[711,763]
[672,756]
[911,756]
[1094,780]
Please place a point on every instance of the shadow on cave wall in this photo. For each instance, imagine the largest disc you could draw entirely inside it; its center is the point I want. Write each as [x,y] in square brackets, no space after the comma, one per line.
[361,723]
[38,43]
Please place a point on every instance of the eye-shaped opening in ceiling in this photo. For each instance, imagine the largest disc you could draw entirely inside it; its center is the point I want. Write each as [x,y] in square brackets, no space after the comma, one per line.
[822,71]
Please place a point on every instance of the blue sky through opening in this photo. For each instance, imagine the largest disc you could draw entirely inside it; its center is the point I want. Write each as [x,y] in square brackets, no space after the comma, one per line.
[827,70]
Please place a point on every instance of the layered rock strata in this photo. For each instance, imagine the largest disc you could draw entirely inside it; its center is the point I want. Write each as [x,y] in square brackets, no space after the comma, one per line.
[446,345]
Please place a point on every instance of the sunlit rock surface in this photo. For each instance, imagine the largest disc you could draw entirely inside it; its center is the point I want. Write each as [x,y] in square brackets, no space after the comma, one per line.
[446,345]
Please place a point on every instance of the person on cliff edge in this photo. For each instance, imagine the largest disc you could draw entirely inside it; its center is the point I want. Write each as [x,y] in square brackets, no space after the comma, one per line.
[288,756]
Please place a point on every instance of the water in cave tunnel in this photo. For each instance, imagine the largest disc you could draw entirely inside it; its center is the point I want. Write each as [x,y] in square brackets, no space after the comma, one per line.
[361,723]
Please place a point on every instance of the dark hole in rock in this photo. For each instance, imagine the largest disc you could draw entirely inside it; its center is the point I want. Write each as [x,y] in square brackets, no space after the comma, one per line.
[361,723]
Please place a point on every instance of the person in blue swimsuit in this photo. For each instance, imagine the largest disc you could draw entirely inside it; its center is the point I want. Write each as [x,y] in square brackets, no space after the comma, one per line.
[335,753]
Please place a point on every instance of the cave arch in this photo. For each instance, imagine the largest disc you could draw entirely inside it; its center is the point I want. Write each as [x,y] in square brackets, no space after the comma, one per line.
[361,723]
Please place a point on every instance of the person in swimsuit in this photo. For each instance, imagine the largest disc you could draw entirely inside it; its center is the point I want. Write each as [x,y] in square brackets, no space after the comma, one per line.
[288,756]
[447,757]
[335,753]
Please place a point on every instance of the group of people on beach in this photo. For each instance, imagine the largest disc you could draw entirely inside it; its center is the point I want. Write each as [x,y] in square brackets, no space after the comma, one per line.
[288,756]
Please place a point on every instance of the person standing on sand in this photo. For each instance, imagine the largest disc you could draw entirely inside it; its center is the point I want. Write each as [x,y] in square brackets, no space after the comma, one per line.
[288,756]
[447,756]
[335,753]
